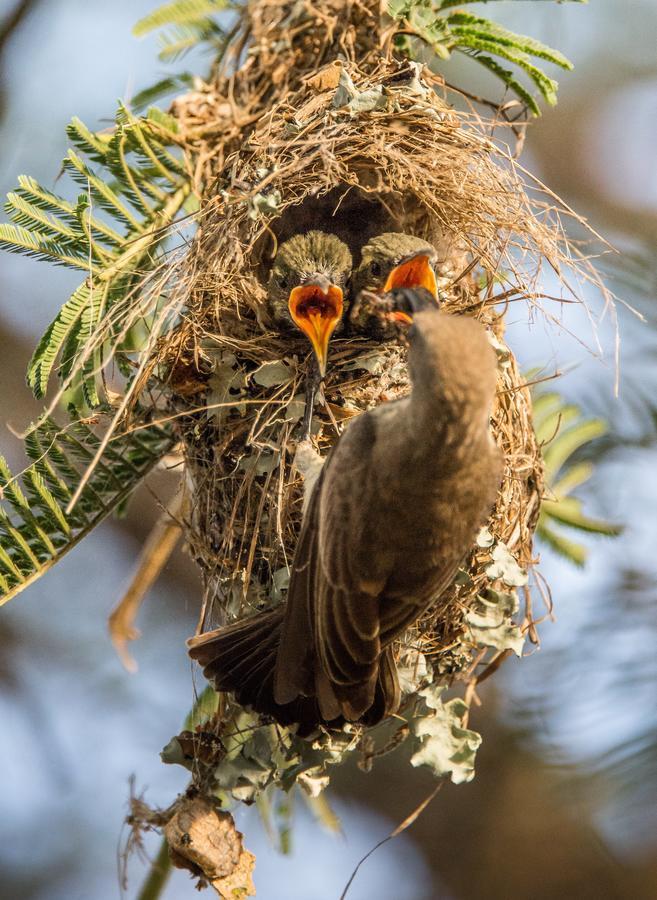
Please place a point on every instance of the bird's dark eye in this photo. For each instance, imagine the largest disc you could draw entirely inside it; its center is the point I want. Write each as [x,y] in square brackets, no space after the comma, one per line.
[375,268]
[283,281]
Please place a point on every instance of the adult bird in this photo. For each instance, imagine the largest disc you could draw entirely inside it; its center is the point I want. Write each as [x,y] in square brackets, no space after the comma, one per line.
[307,286]
[392,515]
[390,261]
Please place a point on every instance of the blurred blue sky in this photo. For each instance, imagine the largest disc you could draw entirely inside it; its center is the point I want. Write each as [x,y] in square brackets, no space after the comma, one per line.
[83,726]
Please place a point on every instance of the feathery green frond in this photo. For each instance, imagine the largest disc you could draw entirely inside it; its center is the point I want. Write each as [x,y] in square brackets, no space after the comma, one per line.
[561,431]
[481,39]
[186,24]
[134,186]
[30,242]
[92,145]
[55,338]
[510,80]
[35,530]
[177,41]
[170,85]
[180,12]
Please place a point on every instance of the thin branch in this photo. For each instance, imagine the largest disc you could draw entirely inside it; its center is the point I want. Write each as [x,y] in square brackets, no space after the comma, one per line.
[14,19]
[7,28]
[408,821]
[158,875]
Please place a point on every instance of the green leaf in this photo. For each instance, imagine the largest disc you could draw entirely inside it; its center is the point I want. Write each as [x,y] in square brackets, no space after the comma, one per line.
[39,221]
[99,190]
[160,89]
[575,477]
[562,431]
[557,453]
[481,39]
[165,120]
[141,187]
[568,511]
[178,40]
[180,12]
[547,86]
[55,338]
[41,197]
[32,243]
[35,529]
[509,79]
[94,146]
[399,9]
[563,546]
[464,23]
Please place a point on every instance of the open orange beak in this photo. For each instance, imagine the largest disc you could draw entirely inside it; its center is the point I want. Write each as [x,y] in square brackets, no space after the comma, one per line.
[413,272]
[316,310]
[416,271]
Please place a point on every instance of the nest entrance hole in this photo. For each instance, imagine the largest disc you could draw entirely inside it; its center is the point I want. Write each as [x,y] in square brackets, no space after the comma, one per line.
[351,213]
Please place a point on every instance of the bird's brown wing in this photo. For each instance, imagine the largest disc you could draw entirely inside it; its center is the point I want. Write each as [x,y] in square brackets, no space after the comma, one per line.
[434,548]
[333,603]
[294,674]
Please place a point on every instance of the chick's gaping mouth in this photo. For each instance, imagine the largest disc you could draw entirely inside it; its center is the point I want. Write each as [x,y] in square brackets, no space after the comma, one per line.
[316,312]
[412,273]
[416,272]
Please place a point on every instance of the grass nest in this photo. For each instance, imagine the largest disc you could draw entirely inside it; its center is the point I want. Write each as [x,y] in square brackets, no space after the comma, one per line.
[355,151]
[309,121]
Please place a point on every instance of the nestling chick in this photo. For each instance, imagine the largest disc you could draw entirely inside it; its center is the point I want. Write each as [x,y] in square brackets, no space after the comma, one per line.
[391,517]
[307,287]
[389,261]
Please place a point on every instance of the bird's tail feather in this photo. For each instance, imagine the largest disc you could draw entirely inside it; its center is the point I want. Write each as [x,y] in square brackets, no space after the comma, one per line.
[386,692]
[374,698]
[240,659]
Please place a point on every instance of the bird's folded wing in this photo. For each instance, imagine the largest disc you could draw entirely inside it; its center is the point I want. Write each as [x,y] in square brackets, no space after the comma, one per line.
[294,664]
[331,602]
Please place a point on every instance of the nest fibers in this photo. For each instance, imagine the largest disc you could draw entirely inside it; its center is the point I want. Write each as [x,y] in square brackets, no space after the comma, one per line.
[355,153]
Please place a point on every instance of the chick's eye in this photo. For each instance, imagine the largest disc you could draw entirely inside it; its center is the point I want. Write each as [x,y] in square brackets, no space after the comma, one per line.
[375,269]
[283,281]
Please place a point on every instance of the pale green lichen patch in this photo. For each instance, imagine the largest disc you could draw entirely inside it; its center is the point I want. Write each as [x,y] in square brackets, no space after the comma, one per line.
[446,746]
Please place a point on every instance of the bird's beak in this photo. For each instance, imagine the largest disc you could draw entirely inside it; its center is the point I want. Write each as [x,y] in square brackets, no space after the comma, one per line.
[412,272]
[316,308]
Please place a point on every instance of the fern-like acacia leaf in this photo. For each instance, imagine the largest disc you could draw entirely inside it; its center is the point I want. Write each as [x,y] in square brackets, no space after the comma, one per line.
[562,431]
[60,330]
[507,76]
[445,31]
[17,239]
[35,530]
[170,85]
[180,12]
[113,233]
[464,23]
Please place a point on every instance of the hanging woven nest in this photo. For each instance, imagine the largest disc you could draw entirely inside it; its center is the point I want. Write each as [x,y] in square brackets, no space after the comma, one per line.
[321,127]
[355,154]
